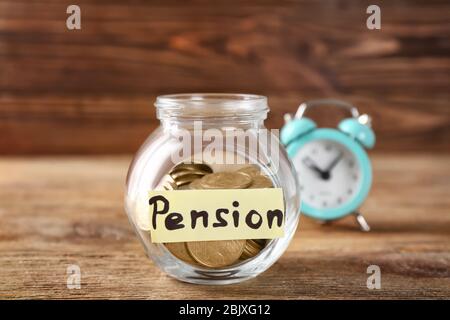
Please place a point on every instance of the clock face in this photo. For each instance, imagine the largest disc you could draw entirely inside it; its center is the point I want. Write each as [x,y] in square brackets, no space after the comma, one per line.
[329,174]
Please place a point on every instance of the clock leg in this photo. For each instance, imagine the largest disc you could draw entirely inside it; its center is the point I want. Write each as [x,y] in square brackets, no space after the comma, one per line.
[324,222]
[363,225]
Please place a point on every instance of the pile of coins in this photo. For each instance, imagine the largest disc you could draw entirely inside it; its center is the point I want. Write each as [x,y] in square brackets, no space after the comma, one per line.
[183,174]
[215,254]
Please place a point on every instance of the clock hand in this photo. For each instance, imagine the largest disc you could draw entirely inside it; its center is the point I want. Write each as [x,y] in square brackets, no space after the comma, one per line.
[334,163]
[310,164]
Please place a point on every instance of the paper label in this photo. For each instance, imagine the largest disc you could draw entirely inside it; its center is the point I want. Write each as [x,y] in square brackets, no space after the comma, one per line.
[228,214]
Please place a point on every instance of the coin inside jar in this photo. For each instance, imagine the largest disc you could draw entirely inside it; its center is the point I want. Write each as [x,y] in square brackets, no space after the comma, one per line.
[261,181]
[179,250]
[216,254]
[226,180]
[195,185]
[202,167]
[184,173]
[186,179]
[251,249]
[251,170]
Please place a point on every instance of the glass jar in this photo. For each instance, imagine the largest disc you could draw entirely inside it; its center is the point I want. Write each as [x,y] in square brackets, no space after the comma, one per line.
[184,120]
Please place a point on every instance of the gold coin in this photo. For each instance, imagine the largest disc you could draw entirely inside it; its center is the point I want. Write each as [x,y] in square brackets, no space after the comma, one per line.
[167,183]
[179,250]
[187,179]
[216,254]
[226,180]
[255,244]
[251,170]
[169,186]
[192,166]
[261,182]
[181,178]
[262,242]
[195,185]
[182,173]
[251,249]
[184,187]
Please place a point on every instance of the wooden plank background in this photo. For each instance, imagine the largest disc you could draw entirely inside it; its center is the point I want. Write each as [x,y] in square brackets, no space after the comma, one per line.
[91,90]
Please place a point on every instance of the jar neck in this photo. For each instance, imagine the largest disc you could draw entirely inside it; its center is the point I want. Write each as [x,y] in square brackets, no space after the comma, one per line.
[212,110]
[208,124]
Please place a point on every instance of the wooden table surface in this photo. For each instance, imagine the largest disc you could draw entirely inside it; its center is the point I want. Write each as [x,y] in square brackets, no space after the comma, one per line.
[59,211]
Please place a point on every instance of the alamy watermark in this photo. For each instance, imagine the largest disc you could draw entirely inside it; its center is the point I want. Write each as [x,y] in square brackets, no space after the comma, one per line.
[73,277]
[227,146]
[73,21]
[374,20]
[374,280]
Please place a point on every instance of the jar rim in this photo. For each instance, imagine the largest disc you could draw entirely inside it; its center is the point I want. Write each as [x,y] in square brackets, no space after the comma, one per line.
[211,105]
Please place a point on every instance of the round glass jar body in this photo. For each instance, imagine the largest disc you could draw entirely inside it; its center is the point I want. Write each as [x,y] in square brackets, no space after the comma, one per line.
[190,116]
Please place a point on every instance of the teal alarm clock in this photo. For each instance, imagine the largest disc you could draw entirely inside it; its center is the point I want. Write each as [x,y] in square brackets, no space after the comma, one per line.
[335,172]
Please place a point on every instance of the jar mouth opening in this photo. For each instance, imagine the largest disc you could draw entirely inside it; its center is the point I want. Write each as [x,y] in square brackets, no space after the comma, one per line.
[211,105]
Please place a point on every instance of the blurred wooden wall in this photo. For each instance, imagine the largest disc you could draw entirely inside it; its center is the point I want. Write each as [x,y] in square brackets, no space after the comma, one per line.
[92,90]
